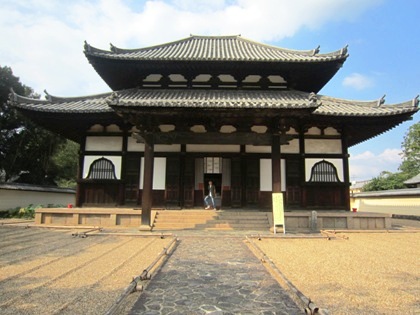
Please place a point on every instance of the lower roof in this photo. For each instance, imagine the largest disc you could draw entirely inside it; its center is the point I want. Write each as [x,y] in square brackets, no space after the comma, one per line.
[63,113]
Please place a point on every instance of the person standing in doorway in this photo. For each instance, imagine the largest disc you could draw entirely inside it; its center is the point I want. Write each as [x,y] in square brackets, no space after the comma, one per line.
[209,199]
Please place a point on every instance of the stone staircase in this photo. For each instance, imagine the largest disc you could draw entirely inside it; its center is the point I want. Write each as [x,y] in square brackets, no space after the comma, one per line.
[211,220]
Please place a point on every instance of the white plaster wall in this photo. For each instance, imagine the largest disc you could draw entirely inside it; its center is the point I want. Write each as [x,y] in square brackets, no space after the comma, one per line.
[159,173]
[214,148]
[323,146]
[133,146]
[257,149]
[266,181]
[338,163]
[94,143]
[167,148]
[313,131]
[292,147]
[11,199]
[88,160]
[331,131]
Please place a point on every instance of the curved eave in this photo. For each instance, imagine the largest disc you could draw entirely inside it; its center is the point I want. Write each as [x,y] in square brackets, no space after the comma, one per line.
[349,108]
[216,48]
[54,104]
[123,74]
[71,125]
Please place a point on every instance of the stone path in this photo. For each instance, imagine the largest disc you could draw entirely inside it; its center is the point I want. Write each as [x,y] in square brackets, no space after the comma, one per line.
[214,275]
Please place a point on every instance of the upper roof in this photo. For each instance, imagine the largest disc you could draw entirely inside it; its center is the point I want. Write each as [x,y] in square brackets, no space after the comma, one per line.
[217,48]
[304,70]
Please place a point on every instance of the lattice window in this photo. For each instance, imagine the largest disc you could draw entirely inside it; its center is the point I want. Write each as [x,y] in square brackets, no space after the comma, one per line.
[102,169]
[324,172]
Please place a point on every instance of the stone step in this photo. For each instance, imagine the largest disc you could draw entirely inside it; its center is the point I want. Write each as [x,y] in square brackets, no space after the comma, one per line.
[211,220]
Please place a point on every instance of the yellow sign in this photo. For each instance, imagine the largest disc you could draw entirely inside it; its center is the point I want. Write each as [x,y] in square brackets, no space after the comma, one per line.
[278,211]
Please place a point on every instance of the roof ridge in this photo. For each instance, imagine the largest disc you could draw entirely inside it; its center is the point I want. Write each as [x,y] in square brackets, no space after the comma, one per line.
[373,103]
[15,98]
[53,98]
[311,52]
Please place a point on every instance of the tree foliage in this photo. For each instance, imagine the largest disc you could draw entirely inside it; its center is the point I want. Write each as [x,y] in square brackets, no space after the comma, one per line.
[26,150]
[411,151]
[409,167]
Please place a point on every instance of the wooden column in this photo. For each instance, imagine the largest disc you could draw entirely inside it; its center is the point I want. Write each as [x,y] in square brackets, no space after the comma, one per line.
[275,164]
[79,189]
[147,196]
[121,197]
[182,176]
[346,168]
[303,199]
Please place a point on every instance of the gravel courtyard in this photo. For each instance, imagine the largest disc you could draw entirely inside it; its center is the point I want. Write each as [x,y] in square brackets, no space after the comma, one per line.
[44,271]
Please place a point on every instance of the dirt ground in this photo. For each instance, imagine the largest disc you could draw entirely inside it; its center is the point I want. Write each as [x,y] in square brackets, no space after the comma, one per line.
[44,271]
[368,273]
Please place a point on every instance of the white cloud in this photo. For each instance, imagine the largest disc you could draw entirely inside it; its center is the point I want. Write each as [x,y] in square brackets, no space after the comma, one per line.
[367,165]
[358,81]
[42,40]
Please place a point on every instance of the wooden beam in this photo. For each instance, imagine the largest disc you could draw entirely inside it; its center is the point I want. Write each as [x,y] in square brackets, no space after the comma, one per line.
[241,138]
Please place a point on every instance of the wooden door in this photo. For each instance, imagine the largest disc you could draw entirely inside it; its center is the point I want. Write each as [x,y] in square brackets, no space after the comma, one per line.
[252,181]
[189,181]
[132,178]
[236,182]
[172,188]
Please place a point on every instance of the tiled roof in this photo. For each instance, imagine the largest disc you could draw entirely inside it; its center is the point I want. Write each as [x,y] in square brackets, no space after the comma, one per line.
[342,107]
[83,104]
[413,180]
[195,98]
[389,193]
[209,98]
[216,48]
[30,187]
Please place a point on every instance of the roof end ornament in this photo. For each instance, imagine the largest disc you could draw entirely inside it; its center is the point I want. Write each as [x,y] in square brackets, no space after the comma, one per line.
[112,48]
[113,99]
[12,96]
[313,99]
[416,101]
[87,47]
[344,50]
[48,96]
[381,101]
[316,50]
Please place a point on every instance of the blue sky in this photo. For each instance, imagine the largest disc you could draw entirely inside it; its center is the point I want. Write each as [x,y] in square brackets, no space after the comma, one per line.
[42,40]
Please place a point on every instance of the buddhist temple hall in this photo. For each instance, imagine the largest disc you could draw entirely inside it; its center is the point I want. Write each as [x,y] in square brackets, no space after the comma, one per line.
[243,114]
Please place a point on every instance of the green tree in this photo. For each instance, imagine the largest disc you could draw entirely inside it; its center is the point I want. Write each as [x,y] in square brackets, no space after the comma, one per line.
[25,149]
[387,181]
[411,151]
[409,167]
[66,161]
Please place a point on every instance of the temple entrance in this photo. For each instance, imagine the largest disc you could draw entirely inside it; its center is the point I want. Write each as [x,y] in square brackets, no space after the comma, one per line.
[217,182]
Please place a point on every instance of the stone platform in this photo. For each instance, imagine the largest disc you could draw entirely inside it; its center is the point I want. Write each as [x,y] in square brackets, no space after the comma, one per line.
[298,220]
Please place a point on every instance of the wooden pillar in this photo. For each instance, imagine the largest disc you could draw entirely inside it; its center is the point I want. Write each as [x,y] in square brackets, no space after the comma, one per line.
[303,199]
[275,164]
[147,196]
[80,189]
[121,197]
[346,168]
[182,170]
[243,176]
